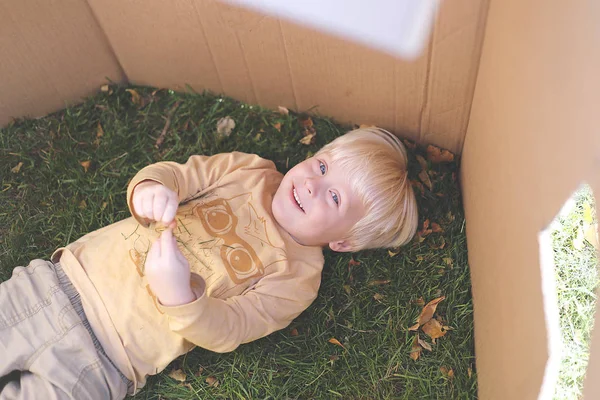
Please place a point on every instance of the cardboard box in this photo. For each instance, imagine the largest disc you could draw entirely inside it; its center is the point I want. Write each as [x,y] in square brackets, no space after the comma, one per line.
[513,85]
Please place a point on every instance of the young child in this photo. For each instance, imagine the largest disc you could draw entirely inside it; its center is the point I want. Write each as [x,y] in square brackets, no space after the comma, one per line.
[220,251]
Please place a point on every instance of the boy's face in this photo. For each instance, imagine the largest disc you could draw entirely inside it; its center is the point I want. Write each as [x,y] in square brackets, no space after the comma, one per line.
[316,205]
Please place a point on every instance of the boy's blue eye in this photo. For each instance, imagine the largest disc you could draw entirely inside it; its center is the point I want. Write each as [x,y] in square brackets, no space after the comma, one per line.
[335,198]
[322,167]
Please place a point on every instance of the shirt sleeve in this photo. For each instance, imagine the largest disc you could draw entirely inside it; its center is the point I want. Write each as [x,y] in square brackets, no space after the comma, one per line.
[221,325]
[196,175]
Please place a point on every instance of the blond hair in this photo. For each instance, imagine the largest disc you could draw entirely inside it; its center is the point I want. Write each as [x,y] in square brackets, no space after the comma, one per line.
[376,163]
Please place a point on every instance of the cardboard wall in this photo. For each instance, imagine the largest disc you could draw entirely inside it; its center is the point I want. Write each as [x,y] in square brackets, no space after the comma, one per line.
[533,137]
[260,59]
[52,53]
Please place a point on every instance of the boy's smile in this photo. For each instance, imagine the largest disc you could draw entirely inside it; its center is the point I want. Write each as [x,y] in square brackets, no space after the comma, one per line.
[315,204]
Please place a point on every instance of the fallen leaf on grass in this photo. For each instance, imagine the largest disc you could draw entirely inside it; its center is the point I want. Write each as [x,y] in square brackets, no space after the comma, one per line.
[85,165]
[336,342]
[393,253]
[199,372]
[178,375]
[277,126]
[437,155]
[283,111]
[424,177]
[294,332]
[17,168]
[347,289]
[308,139]
[225,126]
[424,344]
[588,216]
[415,350]
[82,205]
[448,261]
[427,313]
[436,227]
[333,358]
[591,235]
[434,329]
[99,131]
[212,381]
[104,204]
[353,262]
[379,282]
[135,97]
[104,88]
[469,372]
[448,372]
[378,296]
[422,162]
[306,122]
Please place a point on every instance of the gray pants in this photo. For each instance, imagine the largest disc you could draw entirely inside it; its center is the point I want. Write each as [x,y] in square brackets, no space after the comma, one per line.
[44,334]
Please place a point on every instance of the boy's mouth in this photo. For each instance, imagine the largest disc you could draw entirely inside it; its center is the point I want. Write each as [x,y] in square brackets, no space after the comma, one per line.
[297,199]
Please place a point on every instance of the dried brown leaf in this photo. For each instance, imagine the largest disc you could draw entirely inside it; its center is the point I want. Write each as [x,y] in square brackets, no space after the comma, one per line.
[424,344]
[393,253]
[353,262]
[429,310]
[378,296]
[437,155]
[469,372]
[308,139]
[306,122]
[99,131]
[422,162]
[282,110]
[178,375]
[424,177]
[347,289]
[379,282]
[135,97]
[277,125]
[415,350]
[336,342]
[82,204]
[85,165]
[415,327]
[294,332]
[104,204]
[225,126]
[17,168]
[104,88]
[591,235]
[436,227]
[212,381]
[434,329]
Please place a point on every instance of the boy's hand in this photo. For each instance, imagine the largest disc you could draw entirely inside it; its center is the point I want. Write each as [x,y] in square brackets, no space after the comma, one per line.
[155,202]
[168,272]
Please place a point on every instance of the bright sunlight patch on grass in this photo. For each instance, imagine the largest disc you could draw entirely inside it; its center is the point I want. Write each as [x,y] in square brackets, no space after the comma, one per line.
[575,259]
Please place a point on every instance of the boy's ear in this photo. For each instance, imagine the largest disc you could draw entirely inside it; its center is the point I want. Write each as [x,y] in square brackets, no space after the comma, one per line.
[341,246]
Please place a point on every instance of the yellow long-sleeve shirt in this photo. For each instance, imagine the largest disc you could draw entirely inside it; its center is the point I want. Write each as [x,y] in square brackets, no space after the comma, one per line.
[257,279]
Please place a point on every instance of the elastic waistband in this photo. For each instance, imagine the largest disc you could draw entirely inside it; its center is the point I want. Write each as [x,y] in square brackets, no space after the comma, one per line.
[75,299]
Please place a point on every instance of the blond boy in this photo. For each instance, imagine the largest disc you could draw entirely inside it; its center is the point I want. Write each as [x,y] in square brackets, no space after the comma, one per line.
[219,251]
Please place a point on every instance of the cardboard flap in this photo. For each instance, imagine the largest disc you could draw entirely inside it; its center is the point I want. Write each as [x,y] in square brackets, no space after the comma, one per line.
[53,54]
[532,139]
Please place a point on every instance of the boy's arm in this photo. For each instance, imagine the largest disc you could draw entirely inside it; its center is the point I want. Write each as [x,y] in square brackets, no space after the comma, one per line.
[222,325]
[196,175]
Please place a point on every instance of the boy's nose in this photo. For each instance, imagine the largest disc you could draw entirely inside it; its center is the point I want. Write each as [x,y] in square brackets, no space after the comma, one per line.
[310,186]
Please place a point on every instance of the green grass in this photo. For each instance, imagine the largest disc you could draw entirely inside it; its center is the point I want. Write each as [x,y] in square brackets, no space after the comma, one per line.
[52,201]
[577,280]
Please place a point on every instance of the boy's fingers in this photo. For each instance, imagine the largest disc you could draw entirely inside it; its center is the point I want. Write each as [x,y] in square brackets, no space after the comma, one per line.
[166,242]
[155,250]
[170,211]
[147,206]
[160,203]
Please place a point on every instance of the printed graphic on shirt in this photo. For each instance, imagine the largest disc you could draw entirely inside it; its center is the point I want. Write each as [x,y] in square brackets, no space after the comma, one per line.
[209,234]
[239,258]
